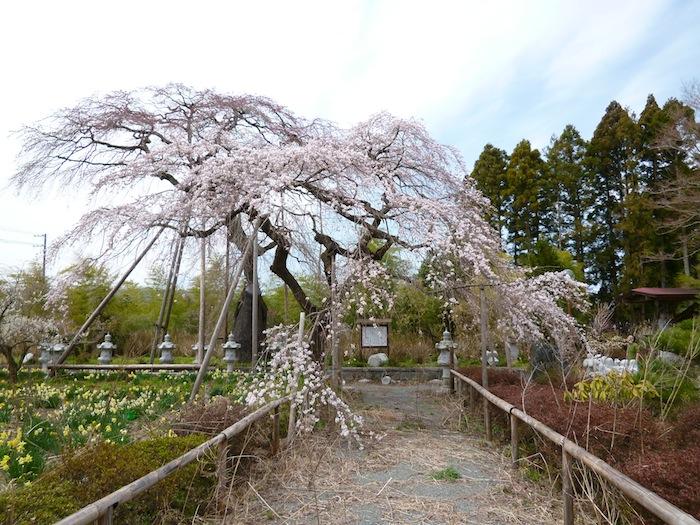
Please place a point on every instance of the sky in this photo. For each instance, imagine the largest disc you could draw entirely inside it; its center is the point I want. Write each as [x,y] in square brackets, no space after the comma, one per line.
[472,72]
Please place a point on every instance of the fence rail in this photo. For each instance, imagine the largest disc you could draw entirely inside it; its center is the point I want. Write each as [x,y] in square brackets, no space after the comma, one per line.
[630,488]
[102,510]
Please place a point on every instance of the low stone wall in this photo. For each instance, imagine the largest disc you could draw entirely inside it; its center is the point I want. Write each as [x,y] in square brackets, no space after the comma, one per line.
[418,374]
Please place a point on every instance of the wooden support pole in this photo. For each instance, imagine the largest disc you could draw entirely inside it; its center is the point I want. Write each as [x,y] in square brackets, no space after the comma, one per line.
[292,426]
[514,440]
[255,318]
[336,359]
[222,315]
[173,288]
[472,398]
[484,364]
[483,314]
[107,298]
[567,487]
[202,299]
[164,302]
[275,446]
[227,270]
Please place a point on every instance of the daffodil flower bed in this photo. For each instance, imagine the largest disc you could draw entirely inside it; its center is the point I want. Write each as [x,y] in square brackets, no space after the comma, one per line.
[41,419]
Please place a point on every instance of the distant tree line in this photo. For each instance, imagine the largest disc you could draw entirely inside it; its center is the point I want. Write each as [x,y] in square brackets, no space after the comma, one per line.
[623,204]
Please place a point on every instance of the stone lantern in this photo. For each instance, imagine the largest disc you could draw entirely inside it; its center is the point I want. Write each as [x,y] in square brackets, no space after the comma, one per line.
[232,352]
[166,350]
[446,348]
[45,357]
[56,350]
[106,348]
[195,350]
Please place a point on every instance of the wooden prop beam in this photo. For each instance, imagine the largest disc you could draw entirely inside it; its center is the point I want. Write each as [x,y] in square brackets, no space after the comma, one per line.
[255,306]
[222,315]
[164,303]
[107,298]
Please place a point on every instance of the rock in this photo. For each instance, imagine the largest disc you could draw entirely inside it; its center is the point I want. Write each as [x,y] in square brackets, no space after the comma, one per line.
[543,355]
[364,380]
[435,381]
[386,380]
[670,358]
[243,322]
[377,359]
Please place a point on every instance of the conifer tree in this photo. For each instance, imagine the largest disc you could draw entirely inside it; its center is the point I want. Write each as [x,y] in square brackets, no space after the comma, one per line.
[565,168]
[612,161]
[490,175]
[525,182]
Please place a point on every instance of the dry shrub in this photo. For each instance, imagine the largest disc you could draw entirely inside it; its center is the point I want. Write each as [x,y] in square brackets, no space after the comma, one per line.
[207,417]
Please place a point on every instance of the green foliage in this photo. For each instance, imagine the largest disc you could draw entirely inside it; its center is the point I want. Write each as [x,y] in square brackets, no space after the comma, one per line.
[83,478]
[613,388]
[416,311]
[314,288]
[447,474]
[679,337]
[545,257]
[674,387]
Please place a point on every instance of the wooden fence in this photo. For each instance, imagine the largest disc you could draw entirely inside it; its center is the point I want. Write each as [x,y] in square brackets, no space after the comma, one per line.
[630,488]
[102,510]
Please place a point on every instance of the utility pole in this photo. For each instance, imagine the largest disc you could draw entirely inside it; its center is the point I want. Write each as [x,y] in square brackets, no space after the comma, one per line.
[43,256]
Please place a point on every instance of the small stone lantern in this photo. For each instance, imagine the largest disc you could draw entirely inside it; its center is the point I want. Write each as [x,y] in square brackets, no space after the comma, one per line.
[166,350]
[446,359]
[106,348]
[195,350]
[232,352]
[56,351]
[45,356]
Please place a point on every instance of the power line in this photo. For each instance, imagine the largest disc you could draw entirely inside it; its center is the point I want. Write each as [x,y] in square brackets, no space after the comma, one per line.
[11,230]
[10,241]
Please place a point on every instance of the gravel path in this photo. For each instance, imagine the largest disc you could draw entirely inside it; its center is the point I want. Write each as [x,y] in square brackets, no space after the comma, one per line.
[320,480]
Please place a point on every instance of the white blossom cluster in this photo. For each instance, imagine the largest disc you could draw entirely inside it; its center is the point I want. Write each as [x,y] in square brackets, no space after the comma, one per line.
[194,160]
[293,370]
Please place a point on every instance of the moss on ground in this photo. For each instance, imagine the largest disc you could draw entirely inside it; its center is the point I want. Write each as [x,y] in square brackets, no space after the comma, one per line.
[81,479]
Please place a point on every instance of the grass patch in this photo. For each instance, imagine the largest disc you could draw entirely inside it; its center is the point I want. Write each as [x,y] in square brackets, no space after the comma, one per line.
[446,474]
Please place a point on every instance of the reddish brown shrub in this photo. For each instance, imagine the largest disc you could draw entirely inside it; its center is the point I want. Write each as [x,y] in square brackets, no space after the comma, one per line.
[672,474]
[497,376]
[686,428]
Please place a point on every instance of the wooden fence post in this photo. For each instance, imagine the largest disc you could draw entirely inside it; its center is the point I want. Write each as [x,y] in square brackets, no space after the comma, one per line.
[472,398]
[487,420]
[514,440]
[107,518]
[221,467]
[275,430]
[566,487]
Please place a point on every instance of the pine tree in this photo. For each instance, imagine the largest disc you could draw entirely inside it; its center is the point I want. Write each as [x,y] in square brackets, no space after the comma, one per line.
[490,175]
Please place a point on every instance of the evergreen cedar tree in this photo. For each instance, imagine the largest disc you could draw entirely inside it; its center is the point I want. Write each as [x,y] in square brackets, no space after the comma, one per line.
[624,204]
